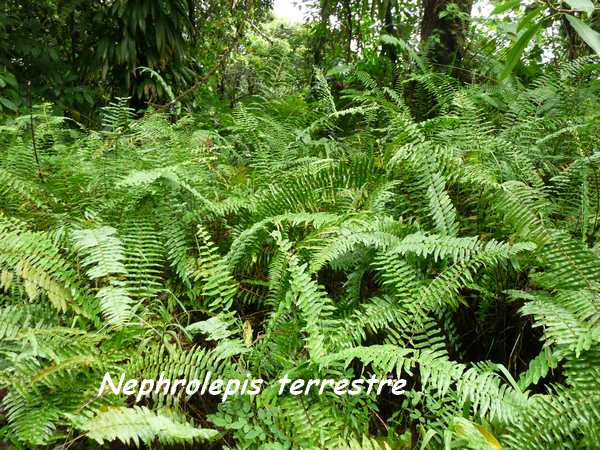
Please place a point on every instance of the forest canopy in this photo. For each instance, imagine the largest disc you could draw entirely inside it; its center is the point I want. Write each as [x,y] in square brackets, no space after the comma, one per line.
[399,194]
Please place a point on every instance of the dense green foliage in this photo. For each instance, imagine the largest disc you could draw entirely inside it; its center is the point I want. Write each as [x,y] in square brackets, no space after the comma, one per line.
[331,238]
[79,54]
[393,189]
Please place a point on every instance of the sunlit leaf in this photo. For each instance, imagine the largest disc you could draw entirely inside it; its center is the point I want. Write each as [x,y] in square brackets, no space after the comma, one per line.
[514,55]
[591,37]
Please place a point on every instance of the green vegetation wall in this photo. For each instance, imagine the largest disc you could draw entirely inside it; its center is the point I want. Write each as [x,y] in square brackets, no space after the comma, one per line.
[291,229]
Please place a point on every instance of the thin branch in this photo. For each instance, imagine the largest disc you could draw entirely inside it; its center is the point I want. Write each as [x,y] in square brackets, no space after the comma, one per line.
[201,81]
[35,153]
[566,10]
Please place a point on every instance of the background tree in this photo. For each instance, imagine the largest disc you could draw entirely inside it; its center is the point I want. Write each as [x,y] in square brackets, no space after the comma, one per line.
[48,43]
[143,33]
[443,32]
[78,53]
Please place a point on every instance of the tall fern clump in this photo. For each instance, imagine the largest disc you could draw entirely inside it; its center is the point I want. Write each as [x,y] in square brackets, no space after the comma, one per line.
[459,253]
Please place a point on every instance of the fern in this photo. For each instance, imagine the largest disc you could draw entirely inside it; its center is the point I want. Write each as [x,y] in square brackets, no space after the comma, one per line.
[139,425]
[449,239]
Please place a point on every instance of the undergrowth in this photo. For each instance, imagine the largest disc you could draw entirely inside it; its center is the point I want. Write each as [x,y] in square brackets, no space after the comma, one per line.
[294,237]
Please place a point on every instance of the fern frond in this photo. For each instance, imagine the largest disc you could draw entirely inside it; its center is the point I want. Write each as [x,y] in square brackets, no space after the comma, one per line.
[102,251]
[568,417]
[442,210]
[139,425]
[218,286]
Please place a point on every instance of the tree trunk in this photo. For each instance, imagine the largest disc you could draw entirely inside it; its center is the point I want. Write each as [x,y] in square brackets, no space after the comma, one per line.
[444,38]
[349,30]
[191,7]
[388,28]
[321,33]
